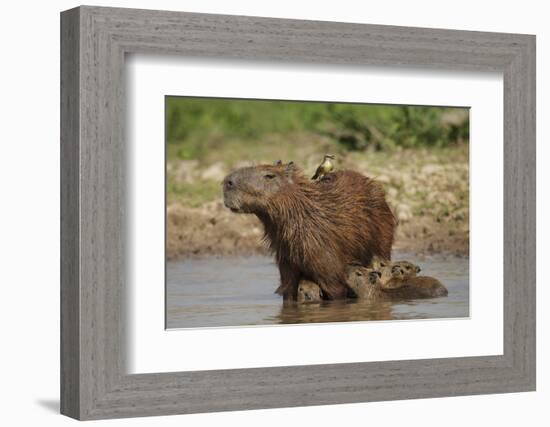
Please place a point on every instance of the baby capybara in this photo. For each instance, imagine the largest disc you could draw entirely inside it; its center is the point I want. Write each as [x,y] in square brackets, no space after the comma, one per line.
[367,285]
[314,228]
[387,268]
[409,269]
[402,286]
[309,292]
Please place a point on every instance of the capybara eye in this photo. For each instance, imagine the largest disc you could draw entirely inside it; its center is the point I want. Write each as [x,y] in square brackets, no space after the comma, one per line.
[358,273]
[269,176]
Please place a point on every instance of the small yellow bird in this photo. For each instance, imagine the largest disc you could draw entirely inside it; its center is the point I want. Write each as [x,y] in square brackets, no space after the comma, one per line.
[325,167]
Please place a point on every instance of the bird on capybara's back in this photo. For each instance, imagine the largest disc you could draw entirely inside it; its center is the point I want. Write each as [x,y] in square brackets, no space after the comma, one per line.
[314,228]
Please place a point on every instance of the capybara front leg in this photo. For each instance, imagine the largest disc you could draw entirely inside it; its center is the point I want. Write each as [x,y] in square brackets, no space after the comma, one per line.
[289,283]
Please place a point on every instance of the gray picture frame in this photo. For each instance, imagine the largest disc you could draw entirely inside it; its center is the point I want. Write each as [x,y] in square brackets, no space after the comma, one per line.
[94,381]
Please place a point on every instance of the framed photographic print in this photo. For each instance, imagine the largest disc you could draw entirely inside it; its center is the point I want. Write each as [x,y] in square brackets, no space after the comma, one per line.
[262,213]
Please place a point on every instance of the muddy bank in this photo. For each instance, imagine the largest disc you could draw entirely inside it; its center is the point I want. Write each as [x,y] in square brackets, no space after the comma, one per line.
[214,230]
[211,230]
[427,190]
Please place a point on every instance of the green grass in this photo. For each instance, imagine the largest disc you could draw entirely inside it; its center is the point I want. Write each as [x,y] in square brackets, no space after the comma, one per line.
[195,127]
[193,194]
[231,150]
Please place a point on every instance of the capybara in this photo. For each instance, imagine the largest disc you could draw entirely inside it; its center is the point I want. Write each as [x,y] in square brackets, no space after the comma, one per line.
[410,269]
[365,283]
[309,292]
[377,263]
[314,228]
[382,265]
[387,269]
[403,287]
[386,274]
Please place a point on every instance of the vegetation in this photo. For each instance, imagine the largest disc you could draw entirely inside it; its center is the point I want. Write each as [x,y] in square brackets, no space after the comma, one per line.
[196,126]
[193,194]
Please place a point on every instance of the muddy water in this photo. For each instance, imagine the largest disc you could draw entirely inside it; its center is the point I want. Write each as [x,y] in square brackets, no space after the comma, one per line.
[213,292]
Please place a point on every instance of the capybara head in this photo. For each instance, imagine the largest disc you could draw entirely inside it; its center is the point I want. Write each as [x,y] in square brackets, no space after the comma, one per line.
[409,269]
[250,189]
[309,292]
[362,276]
[356,276]
[374,278]
[379,263]
[386,273]
[398,272]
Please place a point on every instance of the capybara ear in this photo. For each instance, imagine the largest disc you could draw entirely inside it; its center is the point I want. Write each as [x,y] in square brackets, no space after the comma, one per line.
[278,162]
[379,273]
[418,269]
[290,168]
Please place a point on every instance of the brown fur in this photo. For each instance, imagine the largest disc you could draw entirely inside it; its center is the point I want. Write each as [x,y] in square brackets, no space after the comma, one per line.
[378,263]
[410,269]
[367,285]
[386,268]
[403,287]
[314,228]
[309,292]
[386,274]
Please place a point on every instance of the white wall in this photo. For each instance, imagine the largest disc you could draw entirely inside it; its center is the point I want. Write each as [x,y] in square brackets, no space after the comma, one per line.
[29,229]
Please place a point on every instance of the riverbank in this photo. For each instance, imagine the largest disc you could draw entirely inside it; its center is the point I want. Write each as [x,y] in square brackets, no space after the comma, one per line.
[428,191]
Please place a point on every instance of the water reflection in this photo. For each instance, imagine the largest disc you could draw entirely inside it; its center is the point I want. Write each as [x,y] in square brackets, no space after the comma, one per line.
[334,311]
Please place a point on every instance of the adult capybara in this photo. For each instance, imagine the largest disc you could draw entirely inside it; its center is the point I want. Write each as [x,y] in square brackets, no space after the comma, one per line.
[314,228]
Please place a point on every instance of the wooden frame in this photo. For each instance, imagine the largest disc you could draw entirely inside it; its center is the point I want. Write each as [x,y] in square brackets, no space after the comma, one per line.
[94,41]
